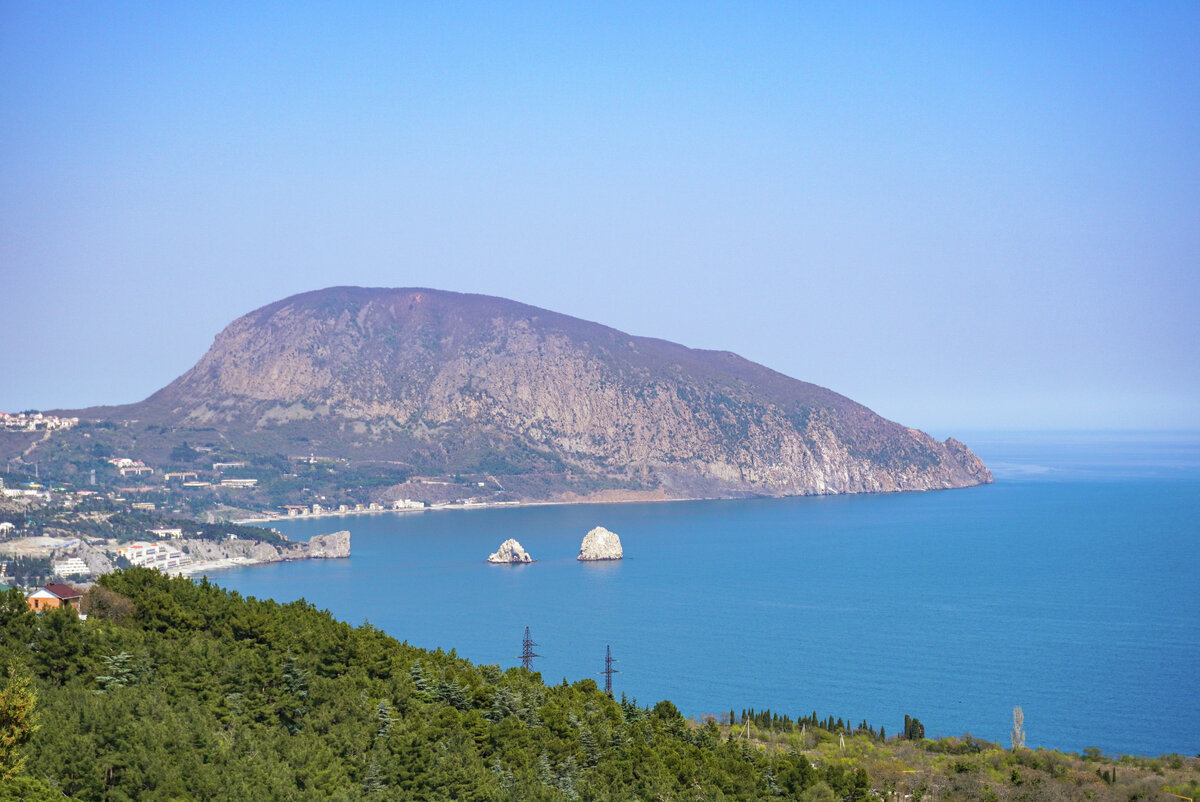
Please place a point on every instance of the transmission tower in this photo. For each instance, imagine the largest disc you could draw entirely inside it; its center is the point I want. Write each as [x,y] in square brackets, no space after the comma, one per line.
[1018,733]
[527,652]
[608,670]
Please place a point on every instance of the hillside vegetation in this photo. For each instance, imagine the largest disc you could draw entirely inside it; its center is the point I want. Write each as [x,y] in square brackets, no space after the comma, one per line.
[180,690]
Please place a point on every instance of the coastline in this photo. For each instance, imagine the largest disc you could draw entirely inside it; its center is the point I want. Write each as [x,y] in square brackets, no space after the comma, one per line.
[202,568]
[479,505]
[622,498]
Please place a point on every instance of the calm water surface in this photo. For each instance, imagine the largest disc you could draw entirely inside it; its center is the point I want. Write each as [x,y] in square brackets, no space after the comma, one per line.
[1069,587]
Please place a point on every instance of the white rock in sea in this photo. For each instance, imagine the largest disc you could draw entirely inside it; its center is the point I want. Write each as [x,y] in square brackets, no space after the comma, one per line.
[510,551]
[600,544]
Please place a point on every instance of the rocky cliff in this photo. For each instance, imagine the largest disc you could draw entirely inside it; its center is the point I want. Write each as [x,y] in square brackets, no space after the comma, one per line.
[445,383]
[331,546]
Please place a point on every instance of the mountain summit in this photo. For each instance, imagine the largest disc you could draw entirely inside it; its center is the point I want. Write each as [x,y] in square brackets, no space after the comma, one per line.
[447,383]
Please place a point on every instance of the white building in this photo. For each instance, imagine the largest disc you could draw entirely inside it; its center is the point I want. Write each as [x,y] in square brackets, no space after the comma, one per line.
[238,482]
[70,567]
[408,504]
[152,555]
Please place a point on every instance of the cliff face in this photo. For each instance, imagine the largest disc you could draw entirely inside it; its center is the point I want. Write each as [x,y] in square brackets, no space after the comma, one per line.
[445,382]
[331,546]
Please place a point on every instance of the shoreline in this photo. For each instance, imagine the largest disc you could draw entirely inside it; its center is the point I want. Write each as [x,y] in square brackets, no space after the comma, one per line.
[202,568]
[481,505]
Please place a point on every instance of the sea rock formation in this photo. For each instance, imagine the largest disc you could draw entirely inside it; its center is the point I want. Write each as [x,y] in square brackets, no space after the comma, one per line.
[332,546]
[510,551]
[543,404]
[600,544]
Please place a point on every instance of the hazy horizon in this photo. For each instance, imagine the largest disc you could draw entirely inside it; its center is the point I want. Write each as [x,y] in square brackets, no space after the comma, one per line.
[966,219]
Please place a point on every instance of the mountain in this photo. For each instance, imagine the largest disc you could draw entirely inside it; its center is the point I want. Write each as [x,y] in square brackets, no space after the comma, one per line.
[446,383]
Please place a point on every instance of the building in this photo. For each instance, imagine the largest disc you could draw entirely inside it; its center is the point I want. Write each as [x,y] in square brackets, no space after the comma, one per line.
[130,467]
[53,596]
[238,482]
[175,533]
[152,555]
[71,566]
[35,422]
[407,503]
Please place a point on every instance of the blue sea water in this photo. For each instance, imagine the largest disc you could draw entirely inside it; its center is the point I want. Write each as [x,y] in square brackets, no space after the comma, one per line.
[1069,587]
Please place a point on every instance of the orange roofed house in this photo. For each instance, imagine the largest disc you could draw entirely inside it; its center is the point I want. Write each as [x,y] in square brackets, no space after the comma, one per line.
[53,595]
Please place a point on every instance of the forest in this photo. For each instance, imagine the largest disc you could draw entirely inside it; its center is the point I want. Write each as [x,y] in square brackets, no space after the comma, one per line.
[175,689]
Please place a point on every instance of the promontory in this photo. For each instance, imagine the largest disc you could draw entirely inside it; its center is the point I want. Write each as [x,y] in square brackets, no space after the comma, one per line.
[440,396]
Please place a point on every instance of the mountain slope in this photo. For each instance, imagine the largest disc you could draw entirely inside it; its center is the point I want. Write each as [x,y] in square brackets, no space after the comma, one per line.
[453,383]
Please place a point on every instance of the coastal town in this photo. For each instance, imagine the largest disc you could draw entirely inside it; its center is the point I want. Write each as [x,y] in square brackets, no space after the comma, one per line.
[55,533]
[73,508]
[33,421]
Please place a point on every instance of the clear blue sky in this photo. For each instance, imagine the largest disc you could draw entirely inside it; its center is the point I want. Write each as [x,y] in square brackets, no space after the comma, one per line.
[963,217]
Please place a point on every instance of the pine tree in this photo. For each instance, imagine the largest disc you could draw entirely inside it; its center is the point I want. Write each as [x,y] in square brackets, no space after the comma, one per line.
[566,776]
[383,713]
[416,673]
[295,683]
[591,748]
[373,779]
[545,772]
[121,670]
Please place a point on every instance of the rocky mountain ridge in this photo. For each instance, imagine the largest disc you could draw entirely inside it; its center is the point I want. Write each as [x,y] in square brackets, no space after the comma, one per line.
[446,383]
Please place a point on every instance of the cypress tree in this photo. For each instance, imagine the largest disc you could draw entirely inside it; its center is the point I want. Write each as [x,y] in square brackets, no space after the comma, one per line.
[16,723]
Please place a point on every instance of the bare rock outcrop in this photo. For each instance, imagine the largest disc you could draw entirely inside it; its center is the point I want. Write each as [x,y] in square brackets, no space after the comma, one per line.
[600,544]
[332,546]
[510,552]
[318,547]
[96,560]
[265,553]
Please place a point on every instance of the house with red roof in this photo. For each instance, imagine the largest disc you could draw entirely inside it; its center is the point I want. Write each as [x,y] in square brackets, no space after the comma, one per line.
[54,595]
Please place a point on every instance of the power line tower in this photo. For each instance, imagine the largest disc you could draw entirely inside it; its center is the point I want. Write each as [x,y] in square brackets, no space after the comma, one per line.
[608,670]
[527,652]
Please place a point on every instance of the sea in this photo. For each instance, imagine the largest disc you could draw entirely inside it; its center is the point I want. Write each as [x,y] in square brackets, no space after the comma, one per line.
[1070,588]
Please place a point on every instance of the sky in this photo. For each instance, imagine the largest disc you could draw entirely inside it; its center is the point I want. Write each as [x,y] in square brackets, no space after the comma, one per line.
[965,216]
